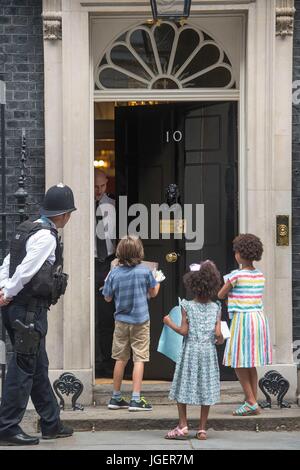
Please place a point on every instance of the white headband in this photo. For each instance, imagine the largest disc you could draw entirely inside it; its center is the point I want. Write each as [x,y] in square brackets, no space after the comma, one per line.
[196,266]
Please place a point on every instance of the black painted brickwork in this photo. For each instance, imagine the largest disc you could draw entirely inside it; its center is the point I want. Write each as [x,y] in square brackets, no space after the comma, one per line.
[296,183]
[21,67]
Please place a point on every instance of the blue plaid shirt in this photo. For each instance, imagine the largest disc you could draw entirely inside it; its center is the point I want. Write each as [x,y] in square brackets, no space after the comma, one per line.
[129,287]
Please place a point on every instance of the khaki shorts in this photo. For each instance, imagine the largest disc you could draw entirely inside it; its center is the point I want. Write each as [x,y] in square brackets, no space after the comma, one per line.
[129,337]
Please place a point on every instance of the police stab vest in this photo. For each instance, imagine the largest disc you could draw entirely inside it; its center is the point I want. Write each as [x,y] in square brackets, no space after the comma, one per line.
[44,282]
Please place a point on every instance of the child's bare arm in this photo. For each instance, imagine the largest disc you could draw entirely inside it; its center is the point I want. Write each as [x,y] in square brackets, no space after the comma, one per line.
[153,291]
[218,333]
[183,329]
[222,294]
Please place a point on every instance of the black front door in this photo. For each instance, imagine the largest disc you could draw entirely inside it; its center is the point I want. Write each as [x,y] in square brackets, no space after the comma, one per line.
[192,146]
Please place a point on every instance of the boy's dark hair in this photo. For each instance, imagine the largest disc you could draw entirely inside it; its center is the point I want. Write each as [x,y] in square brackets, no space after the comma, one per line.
[130,251]
[248,246]
[204,283]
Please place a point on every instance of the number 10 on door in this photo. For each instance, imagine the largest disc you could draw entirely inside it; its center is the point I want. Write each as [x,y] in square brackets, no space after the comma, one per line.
[176,136]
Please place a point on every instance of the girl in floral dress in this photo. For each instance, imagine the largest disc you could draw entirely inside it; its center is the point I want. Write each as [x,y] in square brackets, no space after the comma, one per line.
[196,379]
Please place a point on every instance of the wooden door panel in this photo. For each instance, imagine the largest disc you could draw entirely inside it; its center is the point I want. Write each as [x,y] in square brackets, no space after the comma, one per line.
[202,133]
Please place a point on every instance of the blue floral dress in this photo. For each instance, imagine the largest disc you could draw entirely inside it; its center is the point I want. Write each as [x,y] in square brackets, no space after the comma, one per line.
[197,378]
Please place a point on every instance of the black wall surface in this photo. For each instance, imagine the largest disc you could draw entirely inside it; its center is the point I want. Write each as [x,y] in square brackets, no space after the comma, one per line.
[21,67]
[296,178]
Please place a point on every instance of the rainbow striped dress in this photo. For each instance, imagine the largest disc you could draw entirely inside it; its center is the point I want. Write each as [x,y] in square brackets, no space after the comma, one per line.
[249,344]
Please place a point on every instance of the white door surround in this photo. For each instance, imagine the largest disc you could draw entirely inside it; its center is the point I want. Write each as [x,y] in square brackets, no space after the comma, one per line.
[265,157]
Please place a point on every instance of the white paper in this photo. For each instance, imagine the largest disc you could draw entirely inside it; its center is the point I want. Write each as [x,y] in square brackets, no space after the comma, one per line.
[225,330]
[158,275]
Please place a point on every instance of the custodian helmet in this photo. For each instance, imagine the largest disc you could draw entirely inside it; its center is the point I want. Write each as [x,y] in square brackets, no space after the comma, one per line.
[58,200]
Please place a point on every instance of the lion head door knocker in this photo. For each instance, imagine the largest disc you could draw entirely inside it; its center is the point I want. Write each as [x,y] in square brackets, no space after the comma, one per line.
[172,194]
[176,224]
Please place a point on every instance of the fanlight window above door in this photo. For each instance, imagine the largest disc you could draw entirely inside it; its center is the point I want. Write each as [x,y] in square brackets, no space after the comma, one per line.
[165,56]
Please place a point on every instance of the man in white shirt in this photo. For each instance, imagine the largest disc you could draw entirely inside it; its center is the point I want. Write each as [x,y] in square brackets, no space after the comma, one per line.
[105,247]
[27,288]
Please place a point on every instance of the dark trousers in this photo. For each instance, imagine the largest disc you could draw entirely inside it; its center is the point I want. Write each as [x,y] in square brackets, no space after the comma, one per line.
[27,376]
[104,321]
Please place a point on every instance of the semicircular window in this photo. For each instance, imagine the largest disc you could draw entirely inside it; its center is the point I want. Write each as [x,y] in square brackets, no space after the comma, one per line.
[164,56]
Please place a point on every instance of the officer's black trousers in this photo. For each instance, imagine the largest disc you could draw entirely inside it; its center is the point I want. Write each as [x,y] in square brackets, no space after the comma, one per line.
[27,376]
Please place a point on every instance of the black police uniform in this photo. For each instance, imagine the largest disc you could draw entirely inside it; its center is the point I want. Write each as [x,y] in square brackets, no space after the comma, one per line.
[25,319]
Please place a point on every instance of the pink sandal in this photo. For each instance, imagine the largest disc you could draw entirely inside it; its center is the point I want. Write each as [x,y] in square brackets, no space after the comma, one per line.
[201,435]
[178,433]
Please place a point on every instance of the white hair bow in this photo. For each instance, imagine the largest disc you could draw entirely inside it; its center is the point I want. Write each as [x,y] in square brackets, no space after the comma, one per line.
[197,267]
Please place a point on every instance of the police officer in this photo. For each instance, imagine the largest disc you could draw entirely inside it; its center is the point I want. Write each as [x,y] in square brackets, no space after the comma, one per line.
[31,279]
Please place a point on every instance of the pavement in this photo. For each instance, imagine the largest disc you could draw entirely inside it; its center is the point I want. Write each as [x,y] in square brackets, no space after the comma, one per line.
[154,440]
[99,418]
[97,428]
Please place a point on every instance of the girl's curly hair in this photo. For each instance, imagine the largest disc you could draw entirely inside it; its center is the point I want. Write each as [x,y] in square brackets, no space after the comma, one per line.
[248,246]
[204,283]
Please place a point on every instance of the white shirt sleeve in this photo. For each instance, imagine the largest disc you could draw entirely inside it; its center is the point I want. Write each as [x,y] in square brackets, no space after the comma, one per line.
[39,248]
[4,270]
[107,225]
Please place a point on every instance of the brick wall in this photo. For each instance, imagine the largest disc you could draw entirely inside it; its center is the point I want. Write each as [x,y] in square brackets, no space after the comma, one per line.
[296,179]
[21,67]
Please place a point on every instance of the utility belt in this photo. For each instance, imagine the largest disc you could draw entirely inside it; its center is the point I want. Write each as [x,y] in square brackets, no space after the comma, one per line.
[27,339]
[45,289]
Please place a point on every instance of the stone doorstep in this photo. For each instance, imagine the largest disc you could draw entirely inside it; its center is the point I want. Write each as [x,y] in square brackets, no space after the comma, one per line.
[157,393]
[165,417]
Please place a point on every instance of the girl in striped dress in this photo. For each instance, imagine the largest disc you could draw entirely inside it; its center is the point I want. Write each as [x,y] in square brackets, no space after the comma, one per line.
[249,345]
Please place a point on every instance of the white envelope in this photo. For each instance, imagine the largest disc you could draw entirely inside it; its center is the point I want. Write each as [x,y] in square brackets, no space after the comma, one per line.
[158,275]
[225,330]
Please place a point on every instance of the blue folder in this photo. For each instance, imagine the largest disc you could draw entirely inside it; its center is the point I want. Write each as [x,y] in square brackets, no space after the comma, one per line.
[170,342]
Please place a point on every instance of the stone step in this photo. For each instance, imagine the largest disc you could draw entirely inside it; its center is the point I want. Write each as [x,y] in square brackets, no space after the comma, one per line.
[165,417]
[157,393]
